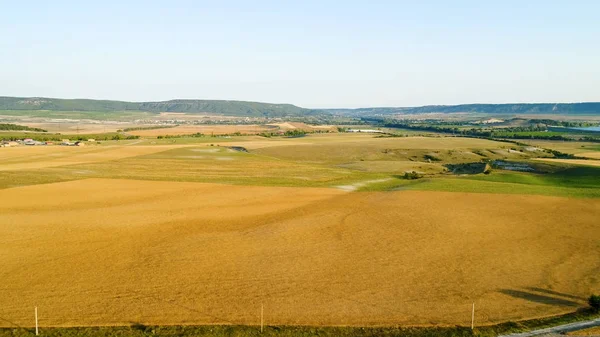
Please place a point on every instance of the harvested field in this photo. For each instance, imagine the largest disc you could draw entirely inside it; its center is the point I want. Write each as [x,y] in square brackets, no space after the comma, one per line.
[82,127]
[394,166]
[102,252]
[369,148]
[591,162]
[567,147]
[205,129]
[23,158]
[593,155]
[284,126]
[303,126]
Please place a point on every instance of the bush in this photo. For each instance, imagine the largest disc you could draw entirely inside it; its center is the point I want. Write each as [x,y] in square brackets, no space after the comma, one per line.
[295,133]
[594,302]
[411,175]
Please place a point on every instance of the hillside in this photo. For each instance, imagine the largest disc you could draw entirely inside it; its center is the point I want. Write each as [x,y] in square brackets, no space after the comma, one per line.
[230,108]
[495,109]
[256,109]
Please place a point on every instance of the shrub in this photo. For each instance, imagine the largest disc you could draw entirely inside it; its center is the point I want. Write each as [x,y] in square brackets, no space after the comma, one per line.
[411,175]
[594,302]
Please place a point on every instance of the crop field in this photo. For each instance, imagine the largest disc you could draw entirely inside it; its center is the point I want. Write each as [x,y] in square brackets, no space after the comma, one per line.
[574,161]
[321,230]
[78,115]
[205,129]
[576,148]
[78,127]
[42,157]
[119,251]
[230,129]
[368,148]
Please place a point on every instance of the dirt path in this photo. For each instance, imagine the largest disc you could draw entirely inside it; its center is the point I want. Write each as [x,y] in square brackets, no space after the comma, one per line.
[558,329]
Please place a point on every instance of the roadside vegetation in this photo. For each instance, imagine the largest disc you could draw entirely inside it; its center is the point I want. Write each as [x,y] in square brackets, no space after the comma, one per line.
[594,302]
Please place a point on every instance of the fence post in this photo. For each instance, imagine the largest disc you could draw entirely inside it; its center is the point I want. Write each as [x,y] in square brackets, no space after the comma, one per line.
[36,322]
[473,317]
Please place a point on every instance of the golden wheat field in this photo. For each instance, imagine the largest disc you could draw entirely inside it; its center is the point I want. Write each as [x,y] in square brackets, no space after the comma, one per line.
[22,158]
[73,127]
[205,129]
[115,251]
[229,129]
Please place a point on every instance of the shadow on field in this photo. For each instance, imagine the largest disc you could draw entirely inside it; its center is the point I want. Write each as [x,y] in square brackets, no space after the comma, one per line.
[556,293]
[138,326]
[539,298]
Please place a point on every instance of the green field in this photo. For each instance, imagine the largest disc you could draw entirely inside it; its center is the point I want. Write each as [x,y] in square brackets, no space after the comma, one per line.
[571,182]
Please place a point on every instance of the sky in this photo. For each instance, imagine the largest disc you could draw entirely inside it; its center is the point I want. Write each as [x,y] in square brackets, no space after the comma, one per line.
[315,54]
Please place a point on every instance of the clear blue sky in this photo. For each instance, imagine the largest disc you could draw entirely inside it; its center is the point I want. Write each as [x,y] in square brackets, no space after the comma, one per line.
[309,53]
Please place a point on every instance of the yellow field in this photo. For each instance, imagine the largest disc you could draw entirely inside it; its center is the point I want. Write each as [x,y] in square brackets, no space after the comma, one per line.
[110,251]
[154,231]
[343,149]
[303,126]
[205,129]
[229,129]
[36,157]
[394,166]
[590,162]
[593,155]
[81,127]
[577,148]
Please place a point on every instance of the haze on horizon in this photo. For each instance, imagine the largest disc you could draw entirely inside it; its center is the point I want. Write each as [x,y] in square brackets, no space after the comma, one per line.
[314,54]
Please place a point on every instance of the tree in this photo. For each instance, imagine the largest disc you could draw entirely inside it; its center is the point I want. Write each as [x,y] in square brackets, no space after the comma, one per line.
[594,302]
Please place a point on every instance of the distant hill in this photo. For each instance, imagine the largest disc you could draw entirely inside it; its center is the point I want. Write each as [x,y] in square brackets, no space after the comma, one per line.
[495,109]
[255,109]
[229,108]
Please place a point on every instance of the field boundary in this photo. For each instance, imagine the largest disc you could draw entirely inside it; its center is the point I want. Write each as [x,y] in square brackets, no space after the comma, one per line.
[574,321]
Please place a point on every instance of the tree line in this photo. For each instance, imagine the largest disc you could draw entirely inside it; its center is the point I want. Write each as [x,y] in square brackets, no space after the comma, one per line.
[529,132]
[16,127]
